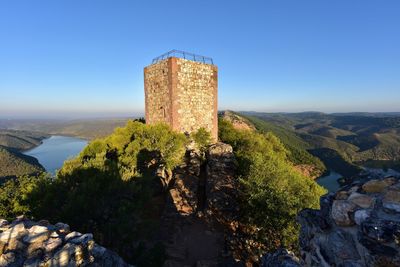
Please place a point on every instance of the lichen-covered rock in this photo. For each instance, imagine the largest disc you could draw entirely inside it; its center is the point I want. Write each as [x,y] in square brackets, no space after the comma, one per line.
[221,186]
[391,200]
[238,122]
[341,195]
[13,232]
[361,215]
[358,226]
[28,243]
[281,258]
[341,212]
[361,200]
[375,186]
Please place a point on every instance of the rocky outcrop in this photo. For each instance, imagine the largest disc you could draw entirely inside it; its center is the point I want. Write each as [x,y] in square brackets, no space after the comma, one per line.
[238,122]
[27,243]
[281,258]
[308,170]
[184,189]
[222,194]
[196,224]
[357,226]
[221,184]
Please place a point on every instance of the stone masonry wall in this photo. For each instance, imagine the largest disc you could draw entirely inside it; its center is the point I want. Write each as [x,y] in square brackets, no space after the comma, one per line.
[182,93]
[27,243]
[158,93]
[197,96]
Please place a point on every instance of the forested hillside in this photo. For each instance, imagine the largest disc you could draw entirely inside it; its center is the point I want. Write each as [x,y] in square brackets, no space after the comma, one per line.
[15,164]
[295,145]
[340,139]
[21,140]
[12,162]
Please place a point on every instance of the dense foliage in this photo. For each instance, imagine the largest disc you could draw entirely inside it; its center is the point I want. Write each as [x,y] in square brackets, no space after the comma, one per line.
[108,190]
[273,192]
[202,138]
[296,147]
[132,149]
[16,195]
[14,163]
[334,161]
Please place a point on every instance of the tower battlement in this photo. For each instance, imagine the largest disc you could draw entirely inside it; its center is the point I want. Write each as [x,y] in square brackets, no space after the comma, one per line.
[181,90]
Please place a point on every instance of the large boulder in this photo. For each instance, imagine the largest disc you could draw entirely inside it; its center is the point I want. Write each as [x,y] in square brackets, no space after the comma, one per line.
[281,258]
[357,226]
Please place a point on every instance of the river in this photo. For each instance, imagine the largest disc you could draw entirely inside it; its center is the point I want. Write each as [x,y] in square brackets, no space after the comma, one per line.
[330,181]
[52,153]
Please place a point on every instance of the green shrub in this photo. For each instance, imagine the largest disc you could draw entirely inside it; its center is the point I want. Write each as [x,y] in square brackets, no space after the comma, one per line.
[202,138]
[132,148]
[272,191]
[108,190]
[16,195]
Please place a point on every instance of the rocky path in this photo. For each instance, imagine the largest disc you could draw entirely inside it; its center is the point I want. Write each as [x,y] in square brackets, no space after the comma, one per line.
[190,237]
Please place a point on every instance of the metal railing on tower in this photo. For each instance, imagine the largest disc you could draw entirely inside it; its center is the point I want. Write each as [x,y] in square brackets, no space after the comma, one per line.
[184,55]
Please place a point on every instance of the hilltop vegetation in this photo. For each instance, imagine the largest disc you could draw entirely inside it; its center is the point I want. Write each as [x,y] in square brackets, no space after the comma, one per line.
[273,192]
[295,146]
[108,190]
[111,191]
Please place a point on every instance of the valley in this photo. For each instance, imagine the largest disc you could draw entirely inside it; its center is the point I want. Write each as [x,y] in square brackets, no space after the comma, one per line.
[19,137]
[193,194]
[342,141]
[12,160]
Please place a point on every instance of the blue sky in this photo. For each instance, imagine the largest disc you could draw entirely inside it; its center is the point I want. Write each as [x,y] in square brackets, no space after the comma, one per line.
[86,57]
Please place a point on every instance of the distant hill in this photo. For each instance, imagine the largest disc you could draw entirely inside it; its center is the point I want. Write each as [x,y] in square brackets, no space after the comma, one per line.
[350,137]
[17,136]
[303,160]
[13,164]
[86,129]
[21,140]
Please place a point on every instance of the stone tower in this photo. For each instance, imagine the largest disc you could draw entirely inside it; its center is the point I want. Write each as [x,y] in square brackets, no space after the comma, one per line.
[181,90]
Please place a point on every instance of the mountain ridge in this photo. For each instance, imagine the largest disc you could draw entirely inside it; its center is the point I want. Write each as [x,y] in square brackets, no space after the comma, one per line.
[355,138]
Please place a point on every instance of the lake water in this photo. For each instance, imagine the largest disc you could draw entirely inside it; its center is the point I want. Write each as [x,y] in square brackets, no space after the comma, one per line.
[55,150]
[330,181]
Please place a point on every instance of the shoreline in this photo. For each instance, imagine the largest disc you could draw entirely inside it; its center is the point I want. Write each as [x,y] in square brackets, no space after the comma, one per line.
[56,149]
[366,173]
